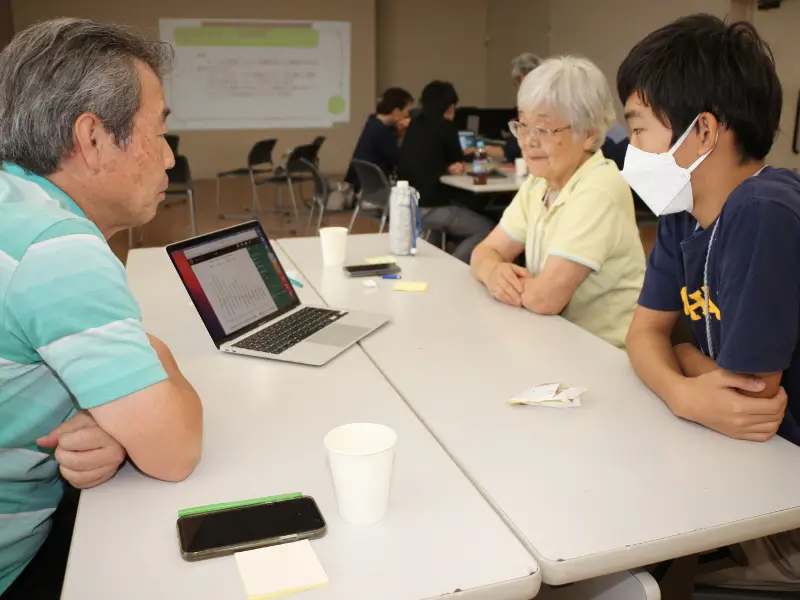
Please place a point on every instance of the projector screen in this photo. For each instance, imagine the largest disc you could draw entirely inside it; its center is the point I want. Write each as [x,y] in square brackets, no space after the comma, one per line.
[250,74]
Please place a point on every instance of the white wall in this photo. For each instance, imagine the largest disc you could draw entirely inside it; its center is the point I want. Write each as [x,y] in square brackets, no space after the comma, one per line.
[780,28]
[422,40]
[606,31]
[513,27]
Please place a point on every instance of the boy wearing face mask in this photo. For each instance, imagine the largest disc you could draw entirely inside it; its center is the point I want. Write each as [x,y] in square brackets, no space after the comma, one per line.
[703,102]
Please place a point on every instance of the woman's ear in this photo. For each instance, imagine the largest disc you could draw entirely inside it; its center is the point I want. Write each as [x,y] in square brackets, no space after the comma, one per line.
[590,139]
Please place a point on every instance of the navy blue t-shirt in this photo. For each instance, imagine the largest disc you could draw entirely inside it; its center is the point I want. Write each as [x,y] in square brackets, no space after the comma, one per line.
[377,144]
[753,276]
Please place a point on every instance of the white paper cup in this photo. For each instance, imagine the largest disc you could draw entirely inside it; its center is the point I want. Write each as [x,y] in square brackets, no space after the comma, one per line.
[334,245]
[521,167]
[361,457]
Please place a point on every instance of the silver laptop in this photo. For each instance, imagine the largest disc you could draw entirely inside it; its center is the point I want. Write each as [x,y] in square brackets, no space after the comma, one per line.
[249,305]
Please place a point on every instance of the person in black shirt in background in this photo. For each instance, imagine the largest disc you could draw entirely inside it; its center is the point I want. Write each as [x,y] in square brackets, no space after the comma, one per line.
[378,142]
[431,149]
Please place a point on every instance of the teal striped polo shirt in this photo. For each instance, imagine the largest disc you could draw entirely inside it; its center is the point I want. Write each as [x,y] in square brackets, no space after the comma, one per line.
[70,338]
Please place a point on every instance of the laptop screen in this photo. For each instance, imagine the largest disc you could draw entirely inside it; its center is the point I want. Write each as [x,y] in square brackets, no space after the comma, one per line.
[234,279]
[466,139]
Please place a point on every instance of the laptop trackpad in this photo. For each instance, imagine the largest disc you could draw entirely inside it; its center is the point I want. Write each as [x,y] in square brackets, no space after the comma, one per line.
[338,335]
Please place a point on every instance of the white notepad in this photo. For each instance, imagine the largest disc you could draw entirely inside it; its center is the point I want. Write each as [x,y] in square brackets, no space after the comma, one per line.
[280,570]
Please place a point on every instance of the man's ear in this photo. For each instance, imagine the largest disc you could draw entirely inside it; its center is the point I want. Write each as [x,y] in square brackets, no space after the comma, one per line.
[89,138]
[708,129]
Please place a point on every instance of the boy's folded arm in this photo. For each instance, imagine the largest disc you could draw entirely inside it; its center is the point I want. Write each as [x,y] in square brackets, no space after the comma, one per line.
[692,361]
[772,384]
[694,364]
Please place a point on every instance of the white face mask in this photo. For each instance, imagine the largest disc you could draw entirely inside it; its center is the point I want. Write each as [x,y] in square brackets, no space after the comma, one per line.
[665,187]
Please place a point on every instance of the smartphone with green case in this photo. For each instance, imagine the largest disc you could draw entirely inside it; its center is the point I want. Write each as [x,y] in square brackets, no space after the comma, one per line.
[222,532]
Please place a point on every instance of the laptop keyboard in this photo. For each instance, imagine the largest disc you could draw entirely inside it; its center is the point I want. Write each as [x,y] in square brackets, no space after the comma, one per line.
[292,330]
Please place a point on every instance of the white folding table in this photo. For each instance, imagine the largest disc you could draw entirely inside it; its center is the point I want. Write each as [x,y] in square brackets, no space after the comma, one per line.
[615,484]
[264,426]
[510,182]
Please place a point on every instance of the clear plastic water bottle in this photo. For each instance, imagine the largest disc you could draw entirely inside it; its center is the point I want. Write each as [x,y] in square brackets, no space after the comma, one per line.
[480,164]
[401,219]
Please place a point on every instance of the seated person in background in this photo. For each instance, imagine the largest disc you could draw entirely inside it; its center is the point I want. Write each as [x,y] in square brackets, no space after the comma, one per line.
[574,215]
[378,142]
[431,149]
[520,67]
[616,145]
[82,124]
[725,257]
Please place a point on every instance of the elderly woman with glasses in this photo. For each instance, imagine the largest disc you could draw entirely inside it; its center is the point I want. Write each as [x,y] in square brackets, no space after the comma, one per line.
[574,217]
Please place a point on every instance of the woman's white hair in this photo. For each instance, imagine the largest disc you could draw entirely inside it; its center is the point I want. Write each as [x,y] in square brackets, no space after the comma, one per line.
[574,87]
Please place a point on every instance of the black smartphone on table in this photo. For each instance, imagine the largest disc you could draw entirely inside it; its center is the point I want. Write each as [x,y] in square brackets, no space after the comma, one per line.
[372,270]
[223,532]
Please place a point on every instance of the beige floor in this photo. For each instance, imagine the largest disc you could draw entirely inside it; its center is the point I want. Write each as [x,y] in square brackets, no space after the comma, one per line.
[172,221]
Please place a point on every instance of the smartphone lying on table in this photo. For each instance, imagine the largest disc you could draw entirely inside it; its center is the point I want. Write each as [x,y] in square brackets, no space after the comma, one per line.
[372,270]
[223,532]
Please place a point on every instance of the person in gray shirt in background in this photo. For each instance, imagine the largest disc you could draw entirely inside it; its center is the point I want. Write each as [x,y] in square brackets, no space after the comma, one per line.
[520,67]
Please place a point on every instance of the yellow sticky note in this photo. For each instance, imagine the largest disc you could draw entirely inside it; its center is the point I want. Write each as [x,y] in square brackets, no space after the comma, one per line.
[277,571]
[379,260]
[410,286]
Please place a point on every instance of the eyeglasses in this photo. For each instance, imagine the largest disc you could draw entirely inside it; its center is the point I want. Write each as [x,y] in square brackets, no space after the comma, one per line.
[541,134]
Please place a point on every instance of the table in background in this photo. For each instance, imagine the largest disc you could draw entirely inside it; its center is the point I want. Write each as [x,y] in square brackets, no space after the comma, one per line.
[509,183]
[264,425]
[615,484]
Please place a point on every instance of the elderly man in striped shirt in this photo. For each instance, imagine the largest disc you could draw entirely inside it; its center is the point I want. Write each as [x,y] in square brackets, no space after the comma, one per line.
[82,385]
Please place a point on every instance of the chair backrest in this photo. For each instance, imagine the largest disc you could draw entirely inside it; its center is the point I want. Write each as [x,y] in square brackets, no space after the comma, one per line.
[173,141]
[261,153]
[317,143]
[375,187]
[300,156]
[180,173]
[321,189]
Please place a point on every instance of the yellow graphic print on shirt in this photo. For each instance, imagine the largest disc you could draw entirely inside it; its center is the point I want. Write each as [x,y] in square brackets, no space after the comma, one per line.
[697,309]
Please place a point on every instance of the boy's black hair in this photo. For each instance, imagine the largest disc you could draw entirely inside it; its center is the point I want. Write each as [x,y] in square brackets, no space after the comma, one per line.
[437,97]
[393,98]
[699,64]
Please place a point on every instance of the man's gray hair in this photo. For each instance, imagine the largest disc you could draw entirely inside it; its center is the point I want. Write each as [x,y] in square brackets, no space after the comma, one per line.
[54,71]
[574,87]
[524,64]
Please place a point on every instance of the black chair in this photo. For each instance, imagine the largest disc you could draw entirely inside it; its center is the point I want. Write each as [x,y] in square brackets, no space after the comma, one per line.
[295,170]
[173,141]
[375,191]
[180,186]
[318,141]
[259,164]
[321,193]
